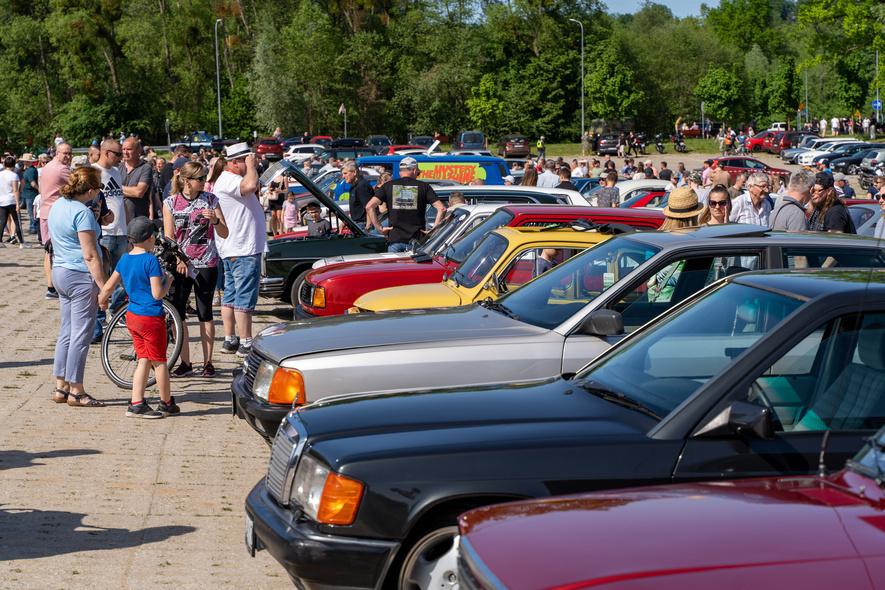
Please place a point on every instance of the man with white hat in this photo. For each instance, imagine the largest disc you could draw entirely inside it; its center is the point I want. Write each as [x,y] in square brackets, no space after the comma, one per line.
[241,251]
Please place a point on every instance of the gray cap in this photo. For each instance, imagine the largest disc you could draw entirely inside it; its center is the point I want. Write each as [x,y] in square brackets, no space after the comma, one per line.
[140,229]
[407,163]
[838,176]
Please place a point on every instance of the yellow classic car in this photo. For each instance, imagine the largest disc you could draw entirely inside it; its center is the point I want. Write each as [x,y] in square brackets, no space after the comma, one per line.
[504,259]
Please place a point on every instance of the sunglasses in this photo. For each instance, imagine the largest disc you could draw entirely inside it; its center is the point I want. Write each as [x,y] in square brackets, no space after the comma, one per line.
[118,154]
[198,178]
[880,197]
[718,203]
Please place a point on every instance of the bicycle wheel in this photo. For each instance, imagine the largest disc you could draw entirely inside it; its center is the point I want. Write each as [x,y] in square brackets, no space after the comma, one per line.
[118,358]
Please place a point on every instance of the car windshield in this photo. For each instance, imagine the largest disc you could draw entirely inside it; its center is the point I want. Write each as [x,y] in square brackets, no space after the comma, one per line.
[564,290]
[870,461]
[476,266]
[441,233]
[674,357]
[458,251]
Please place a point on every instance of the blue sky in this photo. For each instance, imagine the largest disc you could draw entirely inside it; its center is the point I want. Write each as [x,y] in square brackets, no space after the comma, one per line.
[680,8]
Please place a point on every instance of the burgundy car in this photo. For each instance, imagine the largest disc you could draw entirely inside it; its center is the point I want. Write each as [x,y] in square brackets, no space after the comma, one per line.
[734,165]
[332,289]
[781,532]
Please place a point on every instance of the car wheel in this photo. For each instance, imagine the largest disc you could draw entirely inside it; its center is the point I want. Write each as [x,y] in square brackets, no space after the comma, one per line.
[432,561]
[295,291]
[853,169]
[757,148]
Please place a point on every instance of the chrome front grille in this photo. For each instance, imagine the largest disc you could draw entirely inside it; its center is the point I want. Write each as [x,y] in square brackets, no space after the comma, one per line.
[306,294]
[287,447]
[250,366]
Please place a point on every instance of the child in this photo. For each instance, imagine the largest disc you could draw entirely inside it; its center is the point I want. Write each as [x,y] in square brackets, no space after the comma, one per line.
[290,215]
[145,284]
[318,226]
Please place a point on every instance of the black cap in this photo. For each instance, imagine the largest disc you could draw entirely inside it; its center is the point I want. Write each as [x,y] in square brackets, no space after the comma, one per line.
[140,229]
[825,179]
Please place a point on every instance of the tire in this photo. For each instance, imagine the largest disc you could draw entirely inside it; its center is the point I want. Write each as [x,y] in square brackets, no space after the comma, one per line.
[431,562]
[295,289]
[865,182]
[757,149]
[853,169]
[118,358]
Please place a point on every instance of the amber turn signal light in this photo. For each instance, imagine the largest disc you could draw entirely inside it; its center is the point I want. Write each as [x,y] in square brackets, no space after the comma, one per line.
[287,387]
[319,298]
[340,500]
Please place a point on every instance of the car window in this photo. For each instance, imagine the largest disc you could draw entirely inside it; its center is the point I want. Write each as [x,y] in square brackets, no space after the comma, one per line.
[530,263]
[458,251]
[860,215]
[665,286]
[811,257]
[480,262]
[832,379]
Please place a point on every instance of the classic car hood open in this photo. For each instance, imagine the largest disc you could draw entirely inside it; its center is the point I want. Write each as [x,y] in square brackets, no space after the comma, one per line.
[516,412]
[292,339]
[607,537]
[409,297]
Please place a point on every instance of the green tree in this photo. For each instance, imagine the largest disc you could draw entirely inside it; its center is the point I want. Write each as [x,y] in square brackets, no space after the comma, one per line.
[783,98]
[853,80]
[745,23]
[722,92]
[610,86]
[485,106]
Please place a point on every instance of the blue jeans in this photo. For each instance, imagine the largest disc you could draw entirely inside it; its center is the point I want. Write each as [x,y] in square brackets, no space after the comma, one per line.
[241,277]
[32,229]
[398,246]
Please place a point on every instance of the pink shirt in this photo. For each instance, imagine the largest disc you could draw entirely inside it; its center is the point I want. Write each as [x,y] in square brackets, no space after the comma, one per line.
[55,175]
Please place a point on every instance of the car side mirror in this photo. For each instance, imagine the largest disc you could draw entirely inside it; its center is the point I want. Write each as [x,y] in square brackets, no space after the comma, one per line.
[602,322]
[742,419]
[494,283]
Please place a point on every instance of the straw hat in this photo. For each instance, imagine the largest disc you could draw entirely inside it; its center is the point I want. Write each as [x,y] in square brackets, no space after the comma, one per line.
[27,158]
[683,203]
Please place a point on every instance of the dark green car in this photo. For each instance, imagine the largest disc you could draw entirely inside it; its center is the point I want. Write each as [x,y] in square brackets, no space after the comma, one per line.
[289,258]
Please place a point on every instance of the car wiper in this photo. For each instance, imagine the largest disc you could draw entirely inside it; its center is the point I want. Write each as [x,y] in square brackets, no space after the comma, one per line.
[607,394]
[490,303]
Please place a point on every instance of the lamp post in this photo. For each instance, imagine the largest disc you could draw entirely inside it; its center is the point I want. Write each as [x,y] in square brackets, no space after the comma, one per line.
[218,78]
[580,24]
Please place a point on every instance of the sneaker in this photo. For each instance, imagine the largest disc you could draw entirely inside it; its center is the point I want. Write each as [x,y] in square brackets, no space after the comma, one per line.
[208,370]
[216,300]
[166,410]
[243,350]
[26,246]
[183,370]
[142,410]
[14,240]
[190,311]
[230,347]
[51,294]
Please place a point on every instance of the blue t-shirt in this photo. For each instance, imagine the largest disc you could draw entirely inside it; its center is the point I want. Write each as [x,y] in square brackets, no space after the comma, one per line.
[66,219]
[136,271]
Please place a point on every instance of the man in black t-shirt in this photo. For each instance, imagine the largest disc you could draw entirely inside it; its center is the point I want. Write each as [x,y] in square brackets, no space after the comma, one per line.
[360,192]
[406,199]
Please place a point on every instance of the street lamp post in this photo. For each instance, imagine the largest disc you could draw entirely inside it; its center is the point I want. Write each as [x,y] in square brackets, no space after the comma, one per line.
[580,24]
[218,78]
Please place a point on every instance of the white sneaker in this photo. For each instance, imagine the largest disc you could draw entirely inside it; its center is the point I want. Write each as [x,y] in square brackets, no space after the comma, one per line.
[26,247]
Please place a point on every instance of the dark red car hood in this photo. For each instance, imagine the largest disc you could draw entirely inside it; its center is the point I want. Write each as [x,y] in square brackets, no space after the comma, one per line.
[374,267]
[662,537]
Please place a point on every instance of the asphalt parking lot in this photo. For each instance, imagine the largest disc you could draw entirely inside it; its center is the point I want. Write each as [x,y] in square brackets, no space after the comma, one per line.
[91,499]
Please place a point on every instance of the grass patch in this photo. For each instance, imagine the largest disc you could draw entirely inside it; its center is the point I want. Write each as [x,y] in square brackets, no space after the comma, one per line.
[27,374]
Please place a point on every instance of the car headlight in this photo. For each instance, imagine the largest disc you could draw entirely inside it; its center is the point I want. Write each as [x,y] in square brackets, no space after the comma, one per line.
[278,385]
[324,496]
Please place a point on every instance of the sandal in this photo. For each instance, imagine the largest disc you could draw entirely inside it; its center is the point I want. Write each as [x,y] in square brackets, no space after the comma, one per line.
[63,399]
[90,402]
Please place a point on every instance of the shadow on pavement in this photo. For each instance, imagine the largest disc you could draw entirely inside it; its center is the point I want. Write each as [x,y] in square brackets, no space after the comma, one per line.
[17,459]
[33,534]
[15,365]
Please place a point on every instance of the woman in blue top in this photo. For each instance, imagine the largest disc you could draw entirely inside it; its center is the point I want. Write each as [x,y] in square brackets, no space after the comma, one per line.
[78,275]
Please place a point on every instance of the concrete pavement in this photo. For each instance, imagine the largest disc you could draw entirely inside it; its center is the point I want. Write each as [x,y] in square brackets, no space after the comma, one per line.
[92,499]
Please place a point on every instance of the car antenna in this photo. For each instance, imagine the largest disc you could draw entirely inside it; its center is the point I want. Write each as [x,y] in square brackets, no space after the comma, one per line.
[821,467]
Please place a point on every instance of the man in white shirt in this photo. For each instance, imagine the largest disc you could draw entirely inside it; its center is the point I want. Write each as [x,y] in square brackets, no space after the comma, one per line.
[113,235]
[754,205]
[241,250]
[548,178]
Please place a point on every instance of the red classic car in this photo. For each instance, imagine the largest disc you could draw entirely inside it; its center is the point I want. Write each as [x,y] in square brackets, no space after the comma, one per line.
[332,289]
[786,532]
[737,164]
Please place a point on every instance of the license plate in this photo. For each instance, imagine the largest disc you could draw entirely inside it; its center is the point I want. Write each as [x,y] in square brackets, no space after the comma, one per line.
[250,535]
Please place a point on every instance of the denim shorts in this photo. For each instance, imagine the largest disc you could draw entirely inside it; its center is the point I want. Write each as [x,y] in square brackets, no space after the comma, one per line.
[241,278]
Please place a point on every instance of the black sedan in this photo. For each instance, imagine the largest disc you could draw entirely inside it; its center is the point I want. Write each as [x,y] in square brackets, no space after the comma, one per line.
[740,380]
[607,144]
[851,164]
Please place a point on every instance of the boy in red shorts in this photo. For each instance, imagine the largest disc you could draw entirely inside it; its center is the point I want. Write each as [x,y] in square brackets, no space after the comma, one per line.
[145,283]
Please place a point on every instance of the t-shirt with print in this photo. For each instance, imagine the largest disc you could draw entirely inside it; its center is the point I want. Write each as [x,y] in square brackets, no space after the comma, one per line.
[139,174]
[244,216]
[112,193]
[67,218]
[136,271]
[193,232]
[407,199]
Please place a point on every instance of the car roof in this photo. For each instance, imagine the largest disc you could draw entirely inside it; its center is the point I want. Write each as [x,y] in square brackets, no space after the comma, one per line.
[711,235]
[394,158]
[810,283]
[530,234]
[637,213]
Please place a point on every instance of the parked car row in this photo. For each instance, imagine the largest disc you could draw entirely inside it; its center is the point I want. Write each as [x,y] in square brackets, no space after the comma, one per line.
[709,354]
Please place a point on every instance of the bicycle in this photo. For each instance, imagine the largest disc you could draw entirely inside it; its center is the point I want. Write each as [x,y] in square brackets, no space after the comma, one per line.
[118,358]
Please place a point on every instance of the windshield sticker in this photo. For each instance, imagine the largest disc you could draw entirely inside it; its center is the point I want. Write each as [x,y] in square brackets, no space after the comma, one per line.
[405,197]
[460,173]
[608,279]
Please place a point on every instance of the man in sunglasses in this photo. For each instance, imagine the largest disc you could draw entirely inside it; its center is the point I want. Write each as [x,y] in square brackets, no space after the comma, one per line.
[113,235]
[789,215]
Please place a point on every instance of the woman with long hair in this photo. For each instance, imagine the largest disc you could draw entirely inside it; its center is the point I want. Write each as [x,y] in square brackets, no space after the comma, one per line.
[683,209]
[192,217]
[78,276]
[829,214]
[719,207]
[529,177]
